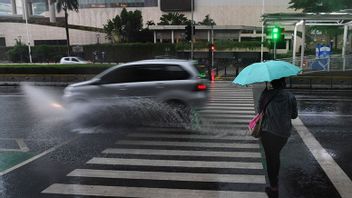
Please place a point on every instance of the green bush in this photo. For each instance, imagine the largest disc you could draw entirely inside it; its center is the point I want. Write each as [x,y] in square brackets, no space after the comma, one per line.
[19,53]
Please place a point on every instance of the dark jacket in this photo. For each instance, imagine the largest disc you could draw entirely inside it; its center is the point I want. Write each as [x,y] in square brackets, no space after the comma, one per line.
[279,112]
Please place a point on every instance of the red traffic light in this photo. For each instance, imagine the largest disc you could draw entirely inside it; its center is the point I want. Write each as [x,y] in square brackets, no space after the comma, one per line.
[212,48]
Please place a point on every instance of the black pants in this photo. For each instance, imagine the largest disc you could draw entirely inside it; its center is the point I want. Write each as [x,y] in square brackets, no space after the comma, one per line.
[272,146]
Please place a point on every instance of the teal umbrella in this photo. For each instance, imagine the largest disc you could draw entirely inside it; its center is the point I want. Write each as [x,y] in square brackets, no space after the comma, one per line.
[266,72]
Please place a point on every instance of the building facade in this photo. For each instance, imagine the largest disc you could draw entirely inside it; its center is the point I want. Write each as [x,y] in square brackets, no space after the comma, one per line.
[96,13]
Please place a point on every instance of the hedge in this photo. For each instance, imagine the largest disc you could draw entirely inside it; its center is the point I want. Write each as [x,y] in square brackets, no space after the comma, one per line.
[53,69]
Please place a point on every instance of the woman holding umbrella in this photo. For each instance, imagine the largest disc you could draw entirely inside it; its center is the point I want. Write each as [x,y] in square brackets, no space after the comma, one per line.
[276,128]
[279,107]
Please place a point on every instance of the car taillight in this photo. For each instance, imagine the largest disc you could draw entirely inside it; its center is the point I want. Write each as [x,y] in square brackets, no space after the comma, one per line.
[201,87]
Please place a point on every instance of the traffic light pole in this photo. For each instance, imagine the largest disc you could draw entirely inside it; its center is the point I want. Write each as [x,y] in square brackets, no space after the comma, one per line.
[274,49]
[192,30]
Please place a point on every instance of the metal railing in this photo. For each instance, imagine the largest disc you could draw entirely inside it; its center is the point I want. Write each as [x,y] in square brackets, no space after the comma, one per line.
[332,63]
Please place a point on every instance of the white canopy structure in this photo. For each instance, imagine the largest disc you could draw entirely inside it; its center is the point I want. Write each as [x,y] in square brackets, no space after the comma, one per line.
[343,18]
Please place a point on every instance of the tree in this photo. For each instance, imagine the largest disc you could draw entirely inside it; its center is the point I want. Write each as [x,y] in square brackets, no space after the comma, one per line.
[66,5]
[113,29]
[320,5]
[317,6]
[149,23]
[173,19]
[207,21]
[126,27]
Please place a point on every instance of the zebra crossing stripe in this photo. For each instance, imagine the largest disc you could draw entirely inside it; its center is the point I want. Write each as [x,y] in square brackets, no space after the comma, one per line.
[227,116]
[149,175]
[189,144]
[175,163]
[231,105]
[228,108]
[231,98]
[182,153]
[202,137]
[229,121]
[241,112]
[117,191]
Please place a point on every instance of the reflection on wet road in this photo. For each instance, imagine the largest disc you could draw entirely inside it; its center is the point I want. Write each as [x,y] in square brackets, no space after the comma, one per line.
[328,116]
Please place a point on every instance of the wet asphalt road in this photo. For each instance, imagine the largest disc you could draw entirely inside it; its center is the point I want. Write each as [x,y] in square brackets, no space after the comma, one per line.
[327,114]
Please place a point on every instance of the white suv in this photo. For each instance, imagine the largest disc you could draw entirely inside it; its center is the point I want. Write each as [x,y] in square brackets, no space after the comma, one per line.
[167,81]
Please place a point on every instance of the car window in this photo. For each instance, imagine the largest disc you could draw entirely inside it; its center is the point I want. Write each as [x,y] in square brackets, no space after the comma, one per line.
[67,59]
[145,73]
[120,75]
[79,58]
[175,72]
[74,60]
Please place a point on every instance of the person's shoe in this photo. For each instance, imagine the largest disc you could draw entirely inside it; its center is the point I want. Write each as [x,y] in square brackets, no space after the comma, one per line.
[271,193]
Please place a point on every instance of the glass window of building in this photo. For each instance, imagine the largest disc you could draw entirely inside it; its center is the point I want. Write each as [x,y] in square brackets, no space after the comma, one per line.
[117,3]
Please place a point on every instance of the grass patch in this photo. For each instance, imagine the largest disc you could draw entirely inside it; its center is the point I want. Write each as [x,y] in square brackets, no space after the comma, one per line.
[9,159]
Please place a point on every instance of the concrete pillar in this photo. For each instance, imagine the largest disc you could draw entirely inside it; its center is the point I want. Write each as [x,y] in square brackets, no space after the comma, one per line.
[24,9]
[294,45]
[303,42]
[13,5]
[52,11]
[154,36]
[172,37]
[344,45]
[29,8]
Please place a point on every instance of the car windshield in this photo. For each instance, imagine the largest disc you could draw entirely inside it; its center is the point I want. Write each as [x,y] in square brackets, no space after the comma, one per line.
[79,58]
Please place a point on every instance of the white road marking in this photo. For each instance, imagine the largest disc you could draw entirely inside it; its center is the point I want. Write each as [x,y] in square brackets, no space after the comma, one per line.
[149,175]
[337,176]
[36,157]
[323,99]
[215,104]
[202,137]
[228,108]
[190,144]
[175,163]
[22,145]
[116,191]
[324,114]
[182,153]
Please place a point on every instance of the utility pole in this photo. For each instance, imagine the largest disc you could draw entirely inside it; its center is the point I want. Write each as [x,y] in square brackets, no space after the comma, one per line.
[212,43]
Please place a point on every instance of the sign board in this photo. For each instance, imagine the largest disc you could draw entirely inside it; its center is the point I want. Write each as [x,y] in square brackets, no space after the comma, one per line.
[77,49]
[322,51]
[176,5]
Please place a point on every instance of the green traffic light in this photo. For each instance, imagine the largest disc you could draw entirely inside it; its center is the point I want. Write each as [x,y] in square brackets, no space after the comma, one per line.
[275,34]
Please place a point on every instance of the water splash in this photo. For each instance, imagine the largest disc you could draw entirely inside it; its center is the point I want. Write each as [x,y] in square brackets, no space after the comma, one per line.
[100,116]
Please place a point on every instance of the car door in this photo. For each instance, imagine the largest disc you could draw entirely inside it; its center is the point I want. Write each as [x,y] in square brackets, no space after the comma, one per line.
[147,81]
